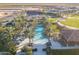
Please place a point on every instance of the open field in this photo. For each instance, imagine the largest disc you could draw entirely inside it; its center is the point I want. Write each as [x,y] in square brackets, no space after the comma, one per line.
[51,20]
[10,5]
[71,21]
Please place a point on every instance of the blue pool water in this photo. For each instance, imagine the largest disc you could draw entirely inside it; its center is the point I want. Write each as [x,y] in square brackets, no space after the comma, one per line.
[39,33]
[39,40]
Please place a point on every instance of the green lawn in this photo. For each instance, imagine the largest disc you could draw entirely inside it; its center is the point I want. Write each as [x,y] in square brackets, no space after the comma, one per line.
[71,21]
[53,26]
[51,20]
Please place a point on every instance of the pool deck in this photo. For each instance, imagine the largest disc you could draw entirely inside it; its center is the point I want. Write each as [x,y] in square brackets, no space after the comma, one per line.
[40,48]
[58,45]
[40,45]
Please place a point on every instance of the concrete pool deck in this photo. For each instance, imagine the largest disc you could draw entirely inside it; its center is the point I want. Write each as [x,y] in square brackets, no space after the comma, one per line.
[40,48]
[58,45]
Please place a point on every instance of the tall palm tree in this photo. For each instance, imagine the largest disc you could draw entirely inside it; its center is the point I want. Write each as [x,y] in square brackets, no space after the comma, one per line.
[11,45]
[30,35]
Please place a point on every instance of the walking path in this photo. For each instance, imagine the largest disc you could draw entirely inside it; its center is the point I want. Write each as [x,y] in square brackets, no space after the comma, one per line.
[40,48]
[65,26]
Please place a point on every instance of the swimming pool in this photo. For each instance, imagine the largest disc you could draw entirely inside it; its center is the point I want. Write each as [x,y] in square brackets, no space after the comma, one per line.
[39,40]
[39,35]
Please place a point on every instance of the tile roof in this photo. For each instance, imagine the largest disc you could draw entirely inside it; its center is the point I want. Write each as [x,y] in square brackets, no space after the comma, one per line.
[70,35]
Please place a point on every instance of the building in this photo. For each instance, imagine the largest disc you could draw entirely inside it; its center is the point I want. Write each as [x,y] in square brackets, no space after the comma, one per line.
[70,37]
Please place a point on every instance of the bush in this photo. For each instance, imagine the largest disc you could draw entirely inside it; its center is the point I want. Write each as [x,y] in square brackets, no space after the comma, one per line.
[28,51]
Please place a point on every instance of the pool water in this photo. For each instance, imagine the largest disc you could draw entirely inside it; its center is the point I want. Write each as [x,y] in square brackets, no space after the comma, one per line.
[39,40]
[39,35]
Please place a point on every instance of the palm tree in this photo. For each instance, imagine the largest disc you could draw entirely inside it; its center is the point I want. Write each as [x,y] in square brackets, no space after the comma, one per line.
[30,35]
[2,38]
[10,43]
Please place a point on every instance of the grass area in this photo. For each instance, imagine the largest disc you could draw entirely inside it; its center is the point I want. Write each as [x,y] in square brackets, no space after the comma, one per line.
[53,26]
[51,20]
[64,52]
[71,21]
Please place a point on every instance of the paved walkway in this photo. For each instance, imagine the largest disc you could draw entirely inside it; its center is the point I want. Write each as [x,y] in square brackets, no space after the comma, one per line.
[65,26]
[39,45]
[39,49]
[58,45]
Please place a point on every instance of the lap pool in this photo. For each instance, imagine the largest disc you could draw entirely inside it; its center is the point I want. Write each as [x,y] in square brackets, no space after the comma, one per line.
[39,36]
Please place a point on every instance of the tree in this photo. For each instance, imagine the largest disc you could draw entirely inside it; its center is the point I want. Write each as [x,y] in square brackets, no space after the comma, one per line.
[10,44]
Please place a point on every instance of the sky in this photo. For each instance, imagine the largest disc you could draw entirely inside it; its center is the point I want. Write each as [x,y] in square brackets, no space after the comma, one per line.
[39,1]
